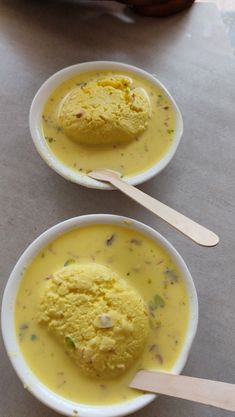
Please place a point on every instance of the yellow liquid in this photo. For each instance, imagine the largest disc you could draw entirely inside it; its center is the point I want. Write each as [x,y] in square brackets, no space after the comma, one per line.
[129,159]
[145,266]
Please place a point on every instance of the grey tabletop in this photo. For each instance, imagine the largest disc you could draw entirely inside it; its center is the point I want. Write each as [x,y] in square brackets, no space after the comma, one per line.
[190,54]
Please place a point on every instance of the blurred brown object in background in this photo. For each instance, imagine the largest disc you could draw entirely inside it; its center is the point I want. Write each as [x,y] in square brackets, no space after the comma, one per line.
[158,8]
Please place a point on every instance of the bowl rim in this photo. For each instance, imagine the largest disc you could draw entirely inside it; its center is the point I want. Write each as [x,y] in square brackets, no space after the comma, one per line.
[28,378]
[58,166]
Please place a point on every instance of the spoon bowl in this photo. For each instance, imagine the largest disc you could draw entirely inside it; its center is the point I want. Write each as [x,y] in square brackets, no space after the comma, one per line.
[35,118]
[60,404]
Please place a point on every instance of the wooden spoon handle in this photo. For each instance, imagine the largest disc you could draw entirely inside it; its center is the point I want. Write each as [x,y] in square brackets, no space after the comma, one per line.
[188,227]
[204,391]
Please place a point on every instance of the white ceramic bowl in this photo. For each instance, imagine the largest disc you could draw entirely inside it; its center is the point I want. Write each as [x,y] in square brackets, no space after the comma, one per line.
[33,384]
[46,89]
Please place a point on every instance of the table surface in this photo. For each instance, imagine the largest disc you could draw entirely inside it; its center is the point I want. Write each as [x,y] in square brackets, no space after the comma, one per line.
[190,55]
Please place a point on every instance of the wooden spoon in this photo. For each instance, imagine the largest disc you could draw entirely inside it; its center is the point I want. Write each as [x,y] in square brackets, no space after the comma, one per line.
[204,391]
[183,224]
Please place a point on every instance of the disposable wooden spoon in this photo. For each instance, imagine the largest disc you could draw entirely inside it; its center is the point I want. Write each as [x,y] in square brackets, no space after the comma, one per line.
[204,391]
[183,224]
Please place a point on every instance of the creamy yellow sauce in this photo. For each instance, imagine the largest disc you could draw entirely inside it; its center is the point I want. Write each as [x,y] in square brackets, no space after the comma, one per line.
[146,267]
[128,159]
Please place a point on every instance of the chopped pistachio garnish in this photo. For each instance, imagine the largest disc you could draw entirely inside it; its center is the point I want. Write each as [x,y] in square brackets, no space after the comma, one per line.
[69,262]
[24,326]
[171,275]
[136,242]
[156,302]
[70,342]
[110,240]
